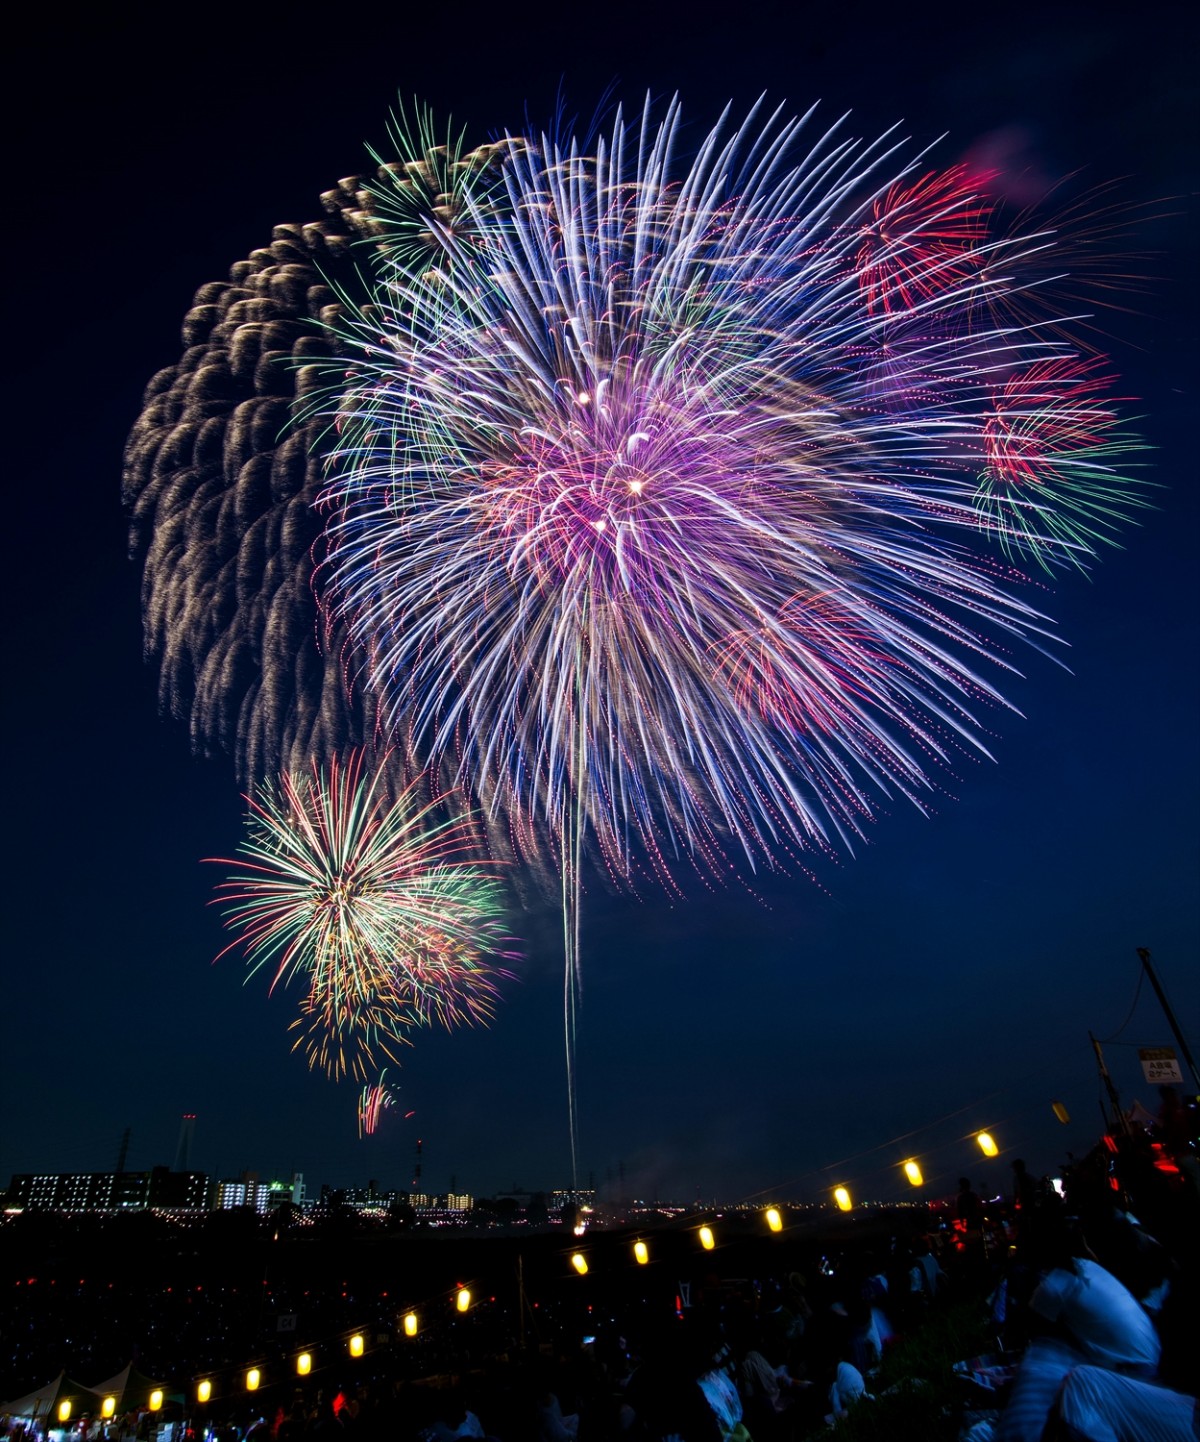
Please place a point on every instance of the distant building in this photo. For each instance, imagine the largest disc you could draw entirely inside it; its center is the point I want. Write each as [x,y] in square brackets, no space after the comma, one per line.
[582,1197]
[157,1190]
[261,1197]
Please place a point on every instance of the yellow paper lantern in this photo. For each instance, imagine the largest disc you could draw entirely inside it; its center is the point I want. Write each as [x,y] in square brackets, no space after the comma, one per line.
[1062,1113]
[913,1172]
[410,1324]
[64,1411]
[987,1144]
[579,1262]
[641,1253]
[156,1399]
[356,1345]
[774,1219]
[253,1378]
[463,1300]
[304,1364]
[707,1240]
[108,1406]
[841,1195]
[203,1390]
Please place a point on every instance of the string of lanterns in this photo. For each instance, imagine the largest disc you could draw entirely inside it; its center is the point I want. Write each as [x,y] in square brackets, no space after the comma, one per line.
[253,1378]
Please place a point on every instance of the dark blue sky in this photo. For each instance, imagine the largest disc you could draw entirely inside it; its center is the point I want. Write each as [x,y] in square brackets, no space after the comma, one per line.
[952,969]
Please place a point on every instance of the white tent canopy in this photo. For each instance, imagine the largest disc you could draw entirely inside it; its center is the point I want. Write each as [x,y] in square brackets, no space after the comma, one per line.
[44,1402]
[129,1387]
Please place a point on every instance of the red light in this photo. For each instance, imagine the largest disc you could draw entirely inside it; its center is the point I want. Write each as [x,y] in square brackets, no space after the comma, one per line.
[1110,1143]
[1114,1184]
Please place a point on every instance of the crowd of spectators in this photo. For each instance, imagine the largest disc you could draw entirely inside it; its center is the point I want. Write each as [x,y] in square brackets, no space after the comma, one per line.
[1088,1285]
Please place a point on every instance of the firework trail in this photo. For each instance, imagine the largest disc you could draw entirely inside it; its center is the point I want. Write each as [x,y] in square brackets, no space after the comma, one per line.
[657,514]
[375,905]
[373,1101]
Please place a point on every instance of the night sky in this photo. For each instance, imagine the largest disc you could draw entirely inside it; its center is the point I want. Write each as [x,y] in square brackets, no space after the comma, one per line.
[942,980]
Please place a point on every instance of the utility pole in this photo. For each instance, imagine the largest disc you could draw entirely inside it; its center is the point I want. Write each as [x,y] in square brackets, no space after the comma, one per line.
[1114,1099]
[1144,958]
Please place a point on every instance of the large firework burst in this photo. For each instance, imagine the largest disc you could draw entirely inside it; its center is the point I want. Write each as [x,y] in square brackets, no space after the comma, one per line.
[659,511]
[671,510]
[222,468]
[656,511]
[375,905]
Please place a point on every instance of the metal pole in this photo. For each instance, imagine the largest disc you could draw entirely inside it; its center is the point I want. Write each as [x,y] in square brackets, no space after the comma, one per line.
[1144,957]
[1118,1114]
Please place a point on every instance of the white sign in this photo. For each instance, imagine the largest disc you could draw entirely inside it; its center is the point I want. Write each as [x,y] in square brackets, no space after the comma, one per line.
[1160,1064]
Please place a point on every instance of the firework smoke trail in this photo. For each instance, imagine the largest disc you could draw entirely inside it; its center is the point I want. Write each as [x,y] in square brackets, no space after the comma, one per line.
[656,511]
[373,903]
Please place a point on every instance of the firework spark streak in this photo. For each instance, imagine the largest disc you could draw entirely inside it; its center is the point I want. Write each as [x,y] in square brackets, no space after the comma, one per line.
[373,1101]
[656,512]
[373,903]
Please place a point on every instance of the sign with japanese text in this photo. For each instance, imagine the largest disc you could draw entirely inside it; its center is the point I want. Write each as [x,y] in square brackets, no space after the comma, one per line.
[1160,1064]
